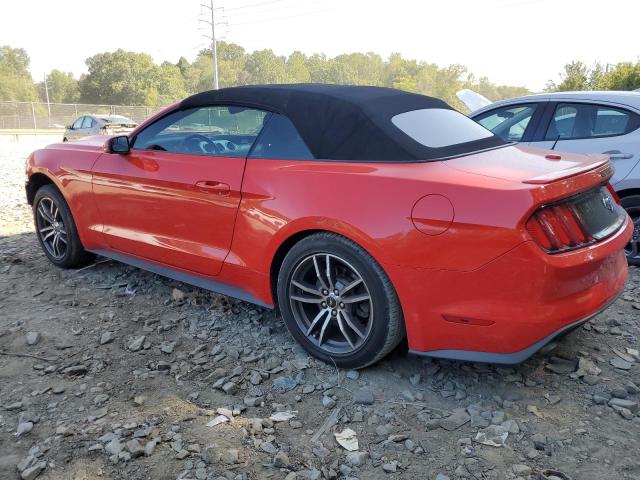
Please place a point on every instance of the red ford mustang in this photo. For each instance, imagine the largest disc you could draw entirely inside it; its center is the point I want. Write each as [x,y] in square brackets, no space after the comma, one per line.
[363,213]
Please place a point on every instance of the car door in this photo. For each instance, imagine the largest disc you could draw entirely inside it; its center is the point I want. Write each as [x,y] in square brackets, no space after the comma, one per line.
[586,127]
[85,129]
[76,128]
[513,122]
[173,199]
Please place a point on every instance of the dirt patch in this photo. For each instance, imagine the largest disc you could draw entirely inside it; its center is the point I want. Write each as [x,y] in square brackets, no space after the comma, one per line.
[124,374]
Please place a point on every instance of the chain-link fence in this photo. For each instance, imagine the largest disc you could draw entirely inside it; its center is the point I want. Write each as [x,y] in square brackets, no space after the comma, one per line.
[36,115]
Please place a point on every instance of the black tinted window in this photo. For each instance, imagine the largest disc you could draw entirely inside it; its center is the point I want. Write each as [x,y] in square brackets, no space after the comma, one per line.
[281,140]
[583,120]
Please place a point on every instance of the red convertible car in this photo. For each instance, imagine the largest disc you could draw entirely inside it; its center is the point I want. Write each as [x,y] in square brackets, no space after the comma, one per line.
[365,214]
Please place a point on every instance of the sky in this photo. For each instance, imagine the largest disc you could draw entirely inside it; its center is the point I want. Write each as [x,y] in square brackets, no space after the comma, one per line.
[513,42]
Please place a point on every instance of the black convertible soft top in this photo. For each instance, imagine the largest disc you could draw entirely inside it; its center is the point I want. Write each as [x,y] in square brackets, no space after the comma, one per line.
[344,122]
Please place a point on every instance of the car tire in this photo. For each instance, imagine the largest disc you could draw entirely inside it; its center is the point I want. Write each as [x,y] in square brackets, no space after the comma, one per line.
[53,219]
[352,317]
[631,204]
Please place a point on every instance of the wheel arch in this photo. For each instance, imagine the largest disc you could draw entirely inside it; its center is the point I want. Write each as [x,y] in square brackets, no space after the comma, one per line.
[293,237]
[627,192]
[37,181]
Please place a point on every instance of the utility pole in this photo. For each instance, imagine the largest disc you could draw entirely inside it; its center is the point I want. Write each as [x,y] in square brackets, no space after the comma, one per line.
[46,91]
[214,46]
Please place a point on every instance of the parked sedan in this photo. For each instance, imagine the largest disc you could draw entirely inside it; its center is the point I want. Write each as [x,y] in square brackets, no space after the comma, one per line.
[580,122]
[361,212]
[98,125]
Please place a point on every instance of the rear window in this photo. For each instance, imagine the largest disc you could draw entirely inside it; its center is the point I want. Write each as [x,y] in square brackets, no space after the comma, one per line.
[439,127]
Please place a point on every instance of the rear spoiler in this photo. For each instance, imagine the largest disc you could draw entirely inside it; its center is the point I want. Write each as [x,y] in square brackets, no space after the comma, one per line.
[605,172]
[120,124]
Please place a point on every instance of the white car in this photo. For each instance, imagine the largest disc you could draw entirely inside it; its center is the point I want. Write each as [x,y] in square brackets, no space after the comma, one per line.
[581,122]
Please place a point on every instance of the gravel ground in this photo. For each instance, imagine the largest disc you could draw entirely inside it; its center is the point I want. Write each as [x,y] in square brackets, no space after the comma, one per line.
[110,372]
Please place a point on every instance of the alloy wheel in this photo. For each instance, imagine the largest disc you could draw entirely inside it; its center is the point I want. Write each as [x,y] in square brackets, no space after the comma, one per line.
[51,228]
[632,249]
[331,303]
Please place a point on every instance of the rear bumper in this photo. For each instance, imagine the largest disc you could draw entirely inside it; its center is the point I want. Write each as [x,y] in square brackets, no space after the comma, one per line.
[511,307]
[508,358]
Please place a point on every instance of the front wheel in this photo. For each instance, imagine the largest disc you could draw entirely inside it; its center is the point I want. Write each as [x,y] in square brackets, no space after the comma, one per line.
[56,230]
[632,205]
[338,303]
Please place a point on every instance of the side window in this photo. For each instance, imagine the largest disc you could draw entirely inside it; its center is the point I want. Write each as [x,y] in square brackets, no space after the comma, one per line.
[78,123]
[583,120]
[87,123]
[611,122]
[509,123]
[223,131]
[281,140]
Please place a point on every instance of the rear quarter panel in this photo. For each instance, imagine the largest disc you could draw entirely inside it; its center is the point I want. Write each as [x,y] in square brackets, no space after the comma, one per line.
[371,203]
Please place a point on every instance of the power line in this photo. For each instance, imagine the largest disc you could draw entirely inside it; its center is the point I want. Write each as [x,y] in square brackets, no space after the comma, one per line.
[278,18]
[252,5]
[274,6]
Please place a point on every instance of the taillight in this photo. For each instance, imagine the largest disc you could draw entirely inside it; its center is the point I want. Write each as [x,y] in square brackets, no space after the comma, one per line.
[557,228]
[577,221]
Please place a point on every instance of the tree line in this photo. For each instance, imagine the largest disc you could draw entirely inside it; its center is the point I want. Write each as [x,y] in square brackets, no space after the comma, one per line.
[130,78]
[579,76]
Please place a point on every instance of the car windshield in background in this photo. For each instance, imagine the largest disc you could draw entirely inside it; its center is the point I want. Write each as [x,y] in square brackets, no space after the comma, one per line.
[509,123]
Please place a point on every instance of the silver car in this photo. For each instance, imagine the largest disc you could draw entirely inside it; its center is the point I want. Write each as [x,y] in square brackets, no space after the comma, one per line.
[98,125]
[581,122]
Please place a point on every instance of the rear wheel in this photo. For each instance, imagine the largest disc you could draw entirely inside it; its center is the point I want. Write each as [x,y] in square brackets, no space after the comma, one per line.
[56,230]
[338,303]
[632,205]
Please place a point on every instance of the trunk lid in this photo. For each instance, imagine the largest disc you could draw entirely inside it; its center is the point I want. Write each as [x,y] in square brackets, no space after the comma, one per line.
[472,100]
[527,164]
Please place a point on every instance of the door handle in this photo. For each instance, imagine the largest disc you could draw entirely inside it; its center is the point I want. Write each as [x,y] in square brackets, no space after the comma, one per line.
[620,156]
[213,186]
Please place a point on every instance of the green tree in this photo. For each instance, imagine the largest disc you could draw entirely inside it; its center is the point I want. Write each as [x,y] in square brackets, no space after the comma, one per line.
[320,67]
[401,73]
[297,68]
[443,82]
[63,88]
[576,76]
[15,80]
[168,86]
[129,78]
[624,76]
[264,66]
[357,69]
[237,67]
[119,77]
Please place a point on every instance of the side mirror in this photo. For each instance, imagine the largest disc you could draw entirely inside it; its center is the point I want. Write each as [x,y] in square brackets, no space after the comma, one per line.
[119,145]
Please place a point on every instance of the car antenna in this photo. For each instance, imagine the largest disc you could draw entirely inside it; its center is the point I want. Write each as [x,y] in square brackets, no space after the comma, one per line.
[555,143]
